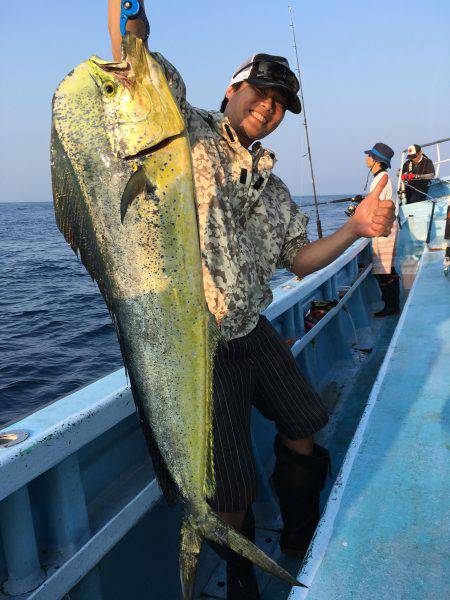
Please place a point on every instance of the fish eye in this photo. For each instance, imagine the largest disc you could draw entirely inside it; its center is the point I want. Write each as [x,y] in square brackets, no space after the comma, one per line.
[109,88]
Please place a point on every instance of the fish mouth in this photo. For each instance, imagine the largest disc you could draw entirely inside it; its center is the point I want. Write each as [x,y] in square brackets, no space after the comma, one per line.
[122,71]
[155,148]
[107,65]
[132,51]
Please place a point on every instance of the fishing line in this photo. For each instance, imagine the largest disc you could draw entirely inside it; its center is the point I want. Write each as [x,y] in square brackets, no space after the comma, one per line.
[367,178]
[305,123]
[419,191]
[347,312]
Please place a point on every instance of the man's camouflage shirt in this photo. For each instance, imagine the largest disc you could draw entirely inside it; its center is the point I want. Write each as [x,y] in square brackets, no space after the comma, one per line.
[248,223]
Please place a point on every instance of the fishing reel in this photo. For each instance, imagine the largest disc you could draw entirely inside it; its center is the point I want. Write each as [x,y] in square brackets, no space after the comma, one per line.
[317,310]
[351,208]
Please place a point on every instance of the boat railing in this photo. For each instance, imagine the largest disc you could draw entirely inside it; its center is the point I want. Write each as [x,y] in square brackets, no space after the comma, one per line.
[81,479]
[437,163]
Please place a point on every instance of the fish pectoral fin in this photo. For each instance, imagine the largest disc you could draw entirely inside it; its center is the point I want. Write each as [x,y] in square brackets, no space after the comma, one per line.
[137,184]
[214,333]
[191,543]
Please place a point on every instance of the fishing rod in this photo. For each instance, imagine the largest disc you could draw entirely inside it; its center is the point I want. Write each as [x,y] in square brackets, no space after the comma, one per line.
[349,199]
[316,204]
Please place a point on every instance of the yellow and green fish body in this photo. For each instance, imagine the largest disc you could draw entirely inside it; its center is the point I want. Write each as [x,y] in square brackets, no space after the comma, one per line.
[124,199]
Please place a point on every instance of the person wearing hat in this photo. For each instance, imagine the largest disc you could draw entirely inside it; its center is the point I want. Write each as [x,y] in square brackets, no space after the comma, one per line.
[248,226]
[378,160]
[417,173]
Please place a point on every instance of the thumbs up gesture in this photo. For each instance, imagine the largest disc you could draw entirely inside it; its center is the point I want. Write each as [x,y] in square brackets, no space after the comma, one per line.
[374,217]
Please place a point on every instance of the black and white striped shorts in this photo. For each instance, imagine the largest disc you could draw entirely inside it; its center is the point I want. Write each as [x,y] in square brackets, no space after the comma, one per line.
[257,369]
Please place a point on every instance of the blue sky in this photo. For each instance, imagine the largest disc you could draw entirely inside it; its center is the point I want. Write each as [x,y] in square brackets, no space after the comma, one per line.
[371,72]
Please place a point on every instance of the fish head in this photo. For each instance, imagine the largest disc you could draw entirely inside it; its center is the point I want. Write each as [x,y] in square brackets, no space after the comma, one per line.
[139,109]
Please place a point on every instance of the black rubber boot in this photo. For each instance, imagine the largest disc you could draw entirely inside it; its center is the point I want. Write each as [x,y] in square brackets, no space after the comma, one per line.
[390,291]
[241,578]
[298,480]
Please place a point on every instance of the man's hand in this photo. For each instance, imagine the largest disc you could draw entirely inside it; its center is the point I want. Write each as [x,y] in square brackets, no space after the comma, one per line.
[408,176]
[374,217]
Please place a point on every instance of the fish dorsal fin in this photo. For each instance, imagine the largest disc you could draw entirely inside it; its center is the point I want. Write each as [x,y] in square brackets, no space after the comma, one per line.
[72,215]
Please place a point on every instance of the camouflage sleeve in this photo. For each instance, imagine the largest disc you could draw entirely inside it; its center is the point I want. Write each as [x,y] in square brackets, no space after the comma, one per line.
[296,236]
[175,81]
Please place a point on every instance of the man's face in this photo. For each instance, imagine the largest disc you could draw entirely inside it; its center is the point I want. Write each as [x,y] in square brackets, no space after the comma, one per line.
[369,161]
[417,158]
[254,112]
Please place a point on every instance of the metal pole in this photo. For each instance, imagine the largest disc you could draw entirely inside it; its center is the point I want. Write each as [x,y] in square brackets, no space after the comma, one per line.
[318,223]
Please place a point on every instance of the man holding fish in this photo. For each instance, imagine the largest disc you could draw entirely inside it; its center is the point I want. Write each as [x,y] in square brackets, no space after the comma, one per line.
[248,226]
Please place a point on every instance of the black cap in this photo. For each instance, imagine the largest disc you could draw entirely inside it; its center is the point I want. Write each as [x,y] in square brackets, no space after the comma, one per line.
[267,70]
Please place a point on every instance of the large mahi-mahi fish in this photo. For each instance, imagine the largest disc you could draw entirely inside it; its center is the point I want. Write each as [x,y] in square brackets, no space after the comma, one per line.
[124,200]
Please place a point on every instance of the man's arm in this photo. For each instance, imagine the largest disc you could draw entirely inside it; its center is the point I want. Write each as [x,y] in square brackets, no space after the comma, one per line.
[320,253]
[137,26]
[373,218]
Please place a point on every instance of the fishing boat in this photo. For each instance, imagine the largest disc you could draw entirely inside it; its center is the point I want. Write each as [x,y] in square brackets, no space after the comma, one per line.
[82,516]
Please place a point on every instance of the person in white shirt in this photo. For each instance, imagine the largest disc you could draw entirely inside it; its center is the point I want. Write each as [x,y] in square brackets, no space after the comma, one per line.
[378,160]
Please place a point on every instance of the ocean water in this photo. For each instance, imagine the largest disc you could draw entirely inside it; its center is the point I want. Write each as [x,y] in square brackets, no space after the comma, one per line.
[55,332]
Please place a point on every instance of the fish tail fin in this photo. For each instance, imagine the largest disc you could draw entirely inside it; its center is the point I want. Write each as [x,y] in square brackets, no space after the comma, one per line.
[216,530]
[191,543]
